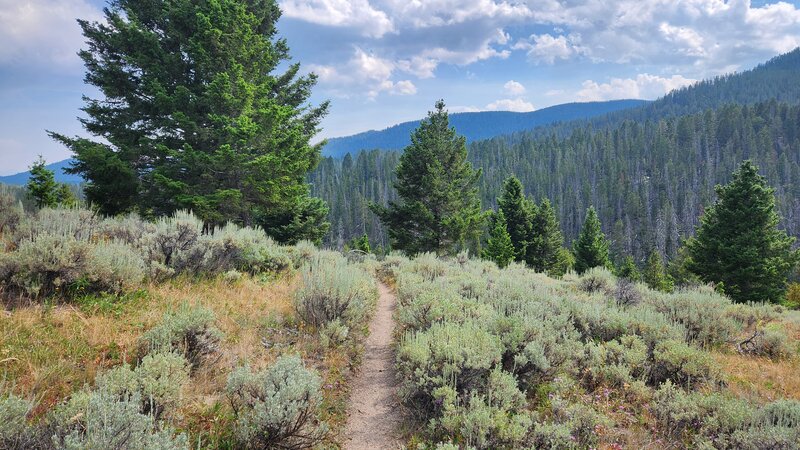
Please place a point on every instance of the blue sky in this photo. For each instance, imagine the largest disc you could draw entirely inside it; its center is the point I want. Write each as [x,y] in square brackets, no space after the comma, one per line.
[381,62]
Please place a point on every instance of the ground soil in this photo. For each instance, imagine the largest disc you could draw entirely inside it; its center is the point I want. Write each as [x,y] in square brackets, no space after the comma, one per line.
[375,414]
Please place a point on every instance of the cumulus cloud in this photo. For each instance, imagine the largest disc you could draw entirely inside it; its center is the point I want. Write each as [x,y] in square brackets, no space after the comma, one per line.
[547,48]
[363,72]
[43,32]
[709,36]
[510,104]
[644,86]
[340,13]
[514,88]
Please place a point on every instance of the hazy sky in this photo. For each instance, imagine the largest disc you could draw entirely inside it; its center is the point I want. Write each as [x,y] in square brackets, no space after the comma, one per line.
[381,62]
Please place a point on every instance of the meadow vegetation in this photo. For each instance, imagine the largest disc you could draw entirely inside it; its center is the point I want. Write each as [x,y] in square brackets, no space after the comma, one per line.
[126,333]
[510,358]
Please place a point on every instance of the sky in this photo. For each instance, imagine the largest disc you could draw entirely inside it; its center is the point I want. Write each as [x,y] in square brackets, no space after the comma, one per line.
[381,62]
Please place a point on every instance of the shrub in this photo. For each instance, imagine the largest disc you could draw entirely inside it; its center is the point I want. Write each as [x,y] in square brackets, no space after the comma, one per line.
[276,408]
[231,247]
[15,431]
[11,214]
[702,313]
[440,305]
[768,342]
[332,289]
[694,417]
[157,381]
[115,267]
[681,364]
[754,315]
[189,331]
[429,266]
[49,264]
[615,363]
[456,355]
[76,223]
[573,425]
[101,420]
[598,279]
[496,419]
[172,236]
[333,334]
[129,229]
[626,293]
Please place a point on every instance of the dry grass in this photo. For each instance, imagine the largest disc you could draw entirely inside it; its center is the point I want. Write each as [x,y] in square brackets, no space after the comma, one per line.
[760,379]
[48,352]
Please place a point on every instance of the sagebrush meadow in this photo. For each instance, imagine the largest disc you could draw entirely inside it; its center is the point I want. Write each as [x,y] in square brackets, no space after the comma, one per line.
[619,270]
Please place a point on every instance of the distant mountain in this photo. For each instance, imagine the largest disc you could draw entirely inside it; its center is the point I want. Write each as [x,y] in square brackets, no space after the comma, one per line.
[476,125]
[57,168]
[777,79]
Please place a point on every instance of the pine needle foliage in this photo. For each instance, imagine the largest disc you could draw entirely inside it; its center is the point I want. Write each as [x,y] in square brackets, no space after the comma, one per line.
[195,115]
[738,244]
[439,210]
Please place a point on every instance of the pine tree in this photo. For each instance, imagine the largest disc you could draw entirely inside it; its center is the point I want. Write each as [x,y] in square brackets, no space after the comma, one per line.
[655,274]
[42,186]
[499,247]
[360,243]
[628,269]
[738,244]
[545,239]
[65,197]
[591,247]
[439,209]
[195,116]
[512,203]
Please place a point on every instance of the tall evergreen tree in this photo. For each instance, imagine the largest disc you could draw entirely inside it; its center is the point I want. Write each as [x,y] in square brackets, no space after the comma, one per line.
[499,247]
[545,239]
[628,269]
[655,274]
[42,186]
[194,116]
[738,243]
[512,203]
[591,247]
[439,209]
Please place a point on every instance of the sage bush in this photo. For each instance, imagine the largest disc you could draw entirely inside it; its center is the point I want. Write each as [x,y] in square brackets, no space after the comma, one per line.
[276,407]
[333,289]
[491,358]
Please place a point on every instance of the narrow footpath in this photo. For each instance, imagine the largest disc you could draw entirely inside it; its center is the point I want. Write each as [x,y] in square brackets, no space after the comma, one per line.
[375,416]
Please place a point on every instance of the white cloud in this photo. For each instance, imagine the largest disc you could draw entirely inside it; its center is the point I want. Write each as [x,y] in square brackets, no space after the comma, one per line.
[43,32]
[340,13]
[644,86]
[514,88]
[364,72]
[708,36]
[547,48]
[509,104]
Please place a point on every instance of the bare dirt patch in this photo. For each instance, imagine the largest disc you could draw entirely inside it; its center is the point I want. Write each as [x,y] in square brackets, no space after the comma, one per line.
[375,415]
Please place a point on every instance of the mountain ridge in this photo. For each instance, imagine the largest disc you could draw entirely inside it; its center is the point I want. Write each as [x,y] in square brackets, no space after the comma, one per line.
[476,126]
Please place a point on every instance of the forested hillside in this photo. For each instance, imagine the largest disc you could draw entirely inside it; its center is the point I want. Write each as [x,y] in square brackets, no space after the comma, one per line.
[649,182]
[777,79]
[477,125]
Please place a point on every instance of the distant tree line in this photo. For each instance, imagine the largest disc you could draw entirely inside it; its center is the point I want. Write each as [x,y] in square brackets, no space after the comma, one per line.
[649,183]
[738,246]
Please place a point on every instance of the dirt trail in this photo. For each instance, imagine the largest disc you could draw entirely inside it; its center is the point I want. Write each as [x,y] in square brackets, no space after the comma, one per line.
[375,415]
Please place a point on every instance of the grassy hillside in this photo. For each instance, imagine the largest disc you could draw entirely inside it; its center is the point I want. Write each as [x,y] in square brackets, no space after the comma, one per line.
[177,335]
[509,358]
